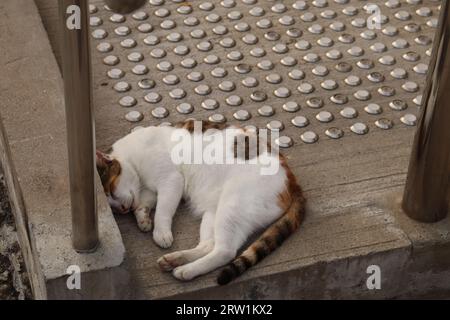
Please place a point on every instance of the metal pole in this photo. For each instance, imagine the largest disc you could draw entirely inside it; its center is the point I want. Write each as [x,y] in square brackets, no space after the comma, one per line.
[76,69]
[427,185]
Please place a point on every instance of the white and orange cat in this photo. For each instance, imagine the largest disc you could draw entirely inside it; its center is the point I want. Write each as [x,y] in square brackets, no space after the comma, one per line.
[234,200]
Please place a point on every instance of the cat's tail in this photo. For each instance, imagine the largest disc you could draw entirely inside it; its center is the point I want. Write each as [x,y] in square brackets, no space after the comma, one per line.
[293,202]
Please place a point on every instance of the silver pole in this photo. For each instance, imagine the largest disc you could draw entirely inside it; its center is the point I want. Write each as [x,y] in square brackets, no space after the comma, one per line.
[76,69]
[427,186]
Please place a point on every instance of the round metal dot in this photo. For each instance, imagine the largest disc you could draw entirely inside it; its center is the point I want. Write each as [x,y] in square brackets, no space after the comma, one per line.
[242,27]
[250,82]
[279,8]
[300,122]
[258,52]
[349,113]
[424,12]
[346,38]
[421,68]
[198,34]
[358,23]
[418,100]
[153,97]
[175,37]
[329,84]
[384,124]
[355,51]
[181,50]
[387,60]
[171,79]
[122,86]
[343,67]
[392,4]
[334,54]
[111,60]
[339,99]
[162,13]
[291,106]
[286,20]
[134,116]
[320,71]
[308,17]
[184,9]
[188,63]
[265,65]
[191,21]
[122,31]
[386,91]
[337,26]
[206,6]
[257,11]
[375,77]
[165,66]
[359,128]
[158,53]
[353,80]
[228,3]
[266,111]
[309,137]
[235,56]
[432,23]
[117,18]
[316,29]
[242,115]
[303,45]
[203,90]
[400,44]
[398,105]
[314,103]
[217,118]
[140,16]
[296,74]
[378,47]
[160,113]
[227,86]
[334,133]
[243,68]
[99,34]
[325,42]
[328,14]
[227,43]
[368,34]
[402,15]
[210,104]
[325,116]
[373,108]
[151,40]
[135,57]
[195,76]
[116,73]
[258,96]
[428,52]
[211,59]
[185,108]
[423,40]
[234,100]
[93,9]
[288,61]
[146,84]
[104,47]
[311,57]
[266,24]
[399,73]
[128,101]
[128,43]
[294,33]
[390,31]
[409,119]
[282,92]
[274,78]
[300,5]
[219,72]
[410,86]
[412,27]
[275,125]
[305,87]
[205,46]
[362,95]
[145,28]
[284,142]
[280,48]
[365,64]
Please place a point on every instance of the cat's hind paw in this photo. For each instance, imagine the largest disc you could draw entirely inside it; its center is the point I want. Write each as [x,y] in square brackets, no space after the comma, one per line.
[164,239]
[184,273]
[145,225]
[143,219]
[170,261]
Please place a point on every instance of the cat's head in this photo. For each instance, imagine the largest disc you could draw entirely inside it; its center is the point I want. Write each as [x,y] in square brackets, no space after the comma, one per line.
[120,182]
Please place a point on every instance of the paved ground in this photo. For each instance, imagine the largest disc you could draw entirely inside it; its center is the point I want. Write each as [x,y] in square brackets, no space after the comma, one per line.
[13,277]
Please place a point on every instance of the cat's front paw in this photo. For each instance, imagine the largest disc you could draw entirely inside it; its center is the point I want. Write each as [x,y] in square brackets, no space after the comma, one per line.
[163,238]
[143,219]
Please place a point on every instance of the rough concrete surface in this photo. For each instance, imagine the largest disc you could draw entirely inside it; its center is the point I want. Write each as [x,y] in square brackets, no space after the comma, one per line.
[14,282]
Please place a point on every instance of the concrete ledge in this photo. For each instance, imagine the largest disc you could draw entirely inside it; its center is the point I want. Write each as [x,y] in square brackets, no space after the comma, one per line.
[34,153]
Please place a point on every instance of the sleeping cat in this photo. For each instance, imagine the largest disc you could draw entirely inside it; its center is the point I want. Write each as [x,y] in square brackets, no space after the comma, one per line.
[234,200]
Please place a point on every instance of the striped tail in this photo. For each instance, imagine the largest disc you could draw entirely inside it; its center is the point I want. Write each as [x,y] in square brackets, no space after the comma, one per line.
[271,239]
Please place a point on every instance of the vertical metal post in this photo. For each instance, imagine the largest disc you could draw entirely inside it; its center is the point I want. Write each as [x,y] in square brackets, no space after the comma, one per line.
[426,195]
[76,69]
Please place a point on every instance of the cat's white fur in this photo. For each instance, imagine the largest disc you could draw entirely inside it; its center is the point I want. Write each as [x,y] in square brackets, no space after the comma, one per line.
[234,200]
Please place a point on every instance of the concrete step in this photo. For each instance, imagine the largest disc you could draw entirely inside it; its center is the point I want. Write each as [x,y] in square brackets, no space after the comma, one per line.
[353,184]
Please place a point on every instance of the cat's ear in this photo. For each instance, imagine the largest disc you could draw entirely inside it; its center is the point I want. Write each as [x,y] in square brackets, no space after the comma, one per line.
[102,159]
